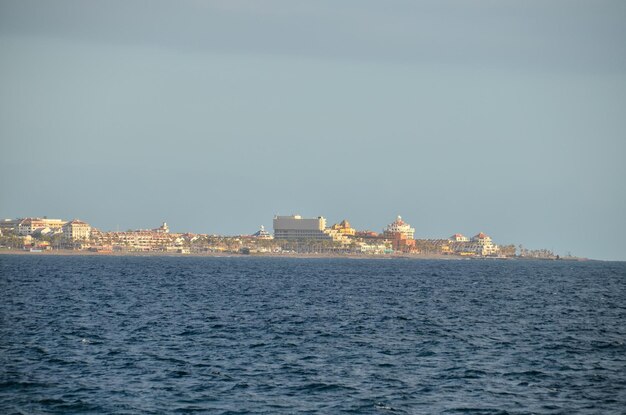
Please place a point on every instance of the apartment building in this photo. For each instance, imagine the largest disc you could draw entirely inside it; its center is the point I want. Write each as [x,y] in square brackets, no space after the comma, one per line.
[28,226]
[76,230]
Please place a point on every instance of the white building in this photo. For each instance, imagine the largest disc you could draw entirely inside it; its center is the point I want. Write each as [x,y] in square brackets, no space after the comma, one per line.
[142,240]
[400,227]
[457,237]
[373,248]
[485,244]
[29,225]
[297,227]
[262,233]
[76,230]
[163,228]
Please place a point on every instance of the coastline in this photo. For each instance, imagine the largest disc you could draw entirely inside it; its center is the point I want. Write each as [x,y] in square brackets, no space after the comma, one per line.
[69,252]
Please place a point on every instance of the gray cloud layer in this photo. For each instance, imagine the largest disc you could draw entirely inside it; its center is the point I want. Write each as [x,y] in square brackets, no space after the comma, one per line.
[566,35]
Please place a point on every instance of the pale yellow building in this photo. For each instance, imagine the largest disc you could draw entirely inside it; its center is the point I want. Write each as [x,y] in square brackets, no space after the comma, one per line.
[76,230]
[344,228]
[141,240]
[28,226]
[485,245]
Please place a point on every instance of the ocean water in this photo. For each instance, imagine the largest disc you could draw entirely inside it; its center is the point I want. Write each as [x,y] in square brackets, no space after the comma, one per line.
[260,335]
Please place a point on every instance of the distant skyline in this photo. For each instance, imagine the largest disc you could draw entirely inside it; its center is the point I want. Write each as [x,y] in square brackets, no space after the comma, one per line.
[502,117]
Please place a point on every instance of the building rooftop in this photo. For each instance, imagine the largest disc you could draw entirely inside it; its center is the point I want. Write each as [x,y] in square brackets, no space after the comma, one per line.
[77,222]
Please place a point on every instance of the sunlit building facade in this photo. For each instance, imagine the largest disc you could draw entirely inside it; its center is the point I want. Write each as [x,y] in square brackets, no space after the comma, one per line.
[344,228]
[400,227]
[28,226]
[401,235]
[297,227]
[457,237]
[484,244]
[76,230]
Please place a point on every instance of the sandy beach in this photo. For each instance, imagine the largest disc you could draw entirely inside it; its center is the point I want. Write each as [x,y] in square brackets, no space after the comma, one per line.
[69,252]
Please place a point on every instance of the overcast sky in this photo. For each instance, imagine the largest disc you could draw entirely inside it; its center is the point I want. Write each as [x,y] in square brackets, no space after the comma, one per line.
[506,117]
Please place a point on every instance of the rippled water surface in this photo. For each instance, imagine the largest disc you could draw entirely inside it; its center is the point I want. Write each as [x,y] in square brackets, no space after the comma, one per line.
[259,335]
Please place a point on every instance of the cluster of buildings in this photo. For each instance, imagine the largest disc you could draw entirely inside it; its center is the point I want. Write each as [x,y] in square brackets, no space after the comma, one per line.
[292,233]
[398,236]
[144,240]
[73,230]
[44,233]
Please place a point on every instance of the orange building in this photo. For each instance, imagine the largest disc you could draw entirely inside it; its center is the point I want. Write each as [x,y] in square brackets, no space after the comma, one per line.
[401,235]
[401,243]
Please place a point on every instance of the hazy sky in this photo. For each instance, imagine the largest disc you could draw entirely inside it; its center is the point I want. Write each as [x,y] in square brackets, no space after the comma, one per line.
[507,117]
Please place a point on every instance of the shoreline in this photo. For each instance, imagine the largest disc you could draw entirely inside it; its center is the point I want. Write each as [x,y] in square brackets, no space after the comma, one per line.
[69,252]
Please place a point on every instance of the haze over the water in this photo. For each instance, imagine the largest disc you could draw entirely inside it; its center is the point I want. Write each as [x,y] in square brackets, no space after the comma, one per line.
[506,117]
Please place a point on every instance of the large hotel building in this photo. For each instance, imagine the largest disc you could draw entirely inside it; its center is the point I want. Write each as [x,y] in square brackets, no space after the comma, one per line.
[297,227]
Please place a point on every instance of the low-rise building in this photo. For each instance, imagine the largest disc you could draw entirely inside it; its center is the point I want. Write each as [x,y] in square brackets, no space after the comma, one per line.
[480,245]
[457,237]
[262,234]
[142,240]
[162,229]
[344,228]
[28,226]
[373,247]
[368,235]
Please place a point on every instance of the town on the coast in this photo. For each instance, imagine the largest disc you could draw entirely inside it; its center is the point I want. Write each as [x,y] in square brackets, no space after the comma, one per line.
[292,235]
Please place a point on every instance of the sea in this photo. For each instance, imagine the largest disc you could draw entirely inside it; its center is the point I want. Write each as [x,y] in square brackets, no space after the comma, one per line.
[250,335]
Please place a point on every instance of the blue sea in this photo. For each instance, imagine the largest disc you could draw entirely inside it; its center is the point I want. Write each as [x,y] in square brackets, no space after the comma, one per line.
[127,335]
